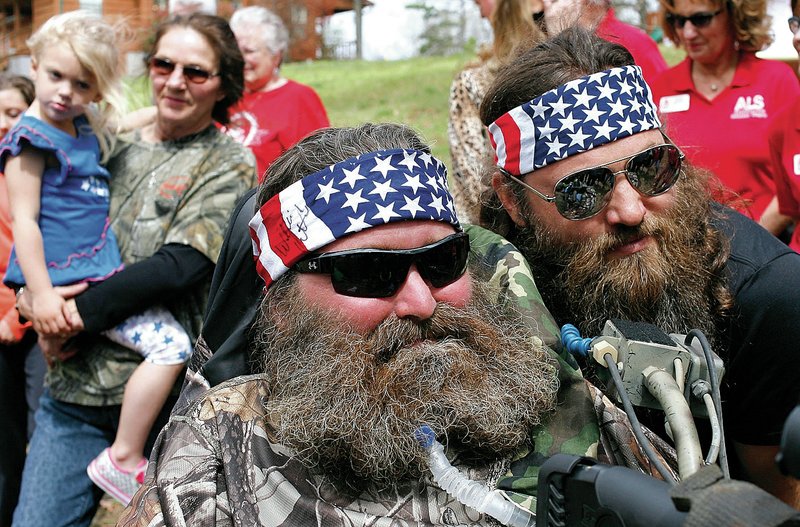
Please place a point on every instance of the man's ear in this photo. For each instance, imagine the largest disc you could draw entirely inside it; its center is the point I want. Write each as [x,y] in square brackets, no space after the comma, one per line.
[507,198]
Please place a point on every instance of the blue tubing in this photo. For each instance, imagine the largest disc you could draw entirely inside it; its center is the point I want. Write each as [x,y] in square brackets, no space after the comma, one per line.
[572,341]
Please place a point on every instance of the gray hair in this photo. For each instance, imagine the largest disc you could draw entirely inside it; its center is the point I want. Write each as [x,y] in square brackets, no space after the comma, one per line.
[328,146]
[275,34]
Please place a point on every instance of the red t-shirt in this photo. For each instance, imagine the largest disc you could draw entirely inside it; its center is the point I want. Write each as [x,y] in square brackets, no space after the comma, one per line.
[727,135]
[643,48]
[784,148]
[270,122]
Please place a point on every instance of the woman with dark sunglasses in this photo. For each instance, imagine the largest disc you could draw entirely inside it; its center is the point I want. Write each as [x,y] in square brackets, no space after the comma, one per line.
[173,185]
[718,103]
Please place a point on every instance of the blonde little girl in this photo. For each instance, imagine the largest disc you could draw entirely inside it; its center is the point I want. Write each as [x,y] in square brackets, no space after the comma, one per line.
[59,198]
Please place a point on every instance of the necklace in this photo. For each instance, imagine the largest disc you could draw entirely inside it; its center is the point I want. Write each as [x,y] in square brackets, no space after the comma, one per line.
[714,87]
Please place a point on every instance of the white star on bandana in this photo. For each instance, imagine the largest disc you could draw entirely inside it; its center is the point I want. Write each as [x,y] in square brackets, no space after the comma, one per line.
[383,166]
[326,191]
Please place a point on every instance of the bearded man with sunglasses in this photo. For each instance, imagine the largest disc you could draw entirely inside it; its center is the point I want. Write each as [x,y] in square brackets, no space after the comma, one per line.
[381,313]
[615,225]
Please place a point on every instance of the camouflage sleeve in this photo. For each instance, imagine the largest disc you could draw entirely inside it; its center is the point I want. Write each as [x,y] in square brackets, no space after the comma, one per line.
[200,221]
[182,485]
[573,428]
[507,269]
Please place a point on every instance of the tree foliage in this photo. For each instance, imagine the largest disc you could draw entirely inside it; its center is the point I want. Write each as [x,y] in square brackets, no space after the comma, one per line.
[444,27]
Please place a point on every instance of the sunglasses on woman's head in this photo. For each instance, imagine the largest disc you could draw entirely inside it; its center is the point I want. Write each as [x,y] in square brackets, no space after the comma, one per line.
[584,193]
[379,273]
[698,20]
[191,73]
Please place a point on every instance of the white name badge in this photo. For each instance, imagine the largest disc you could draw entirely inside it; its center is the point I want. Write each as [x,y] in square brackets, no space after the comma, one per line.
[796,160]
[674,103]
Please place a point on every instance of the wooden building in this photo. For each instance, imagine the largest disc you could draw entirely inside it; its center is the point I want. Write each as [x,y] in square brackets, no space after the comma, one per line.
[19,18]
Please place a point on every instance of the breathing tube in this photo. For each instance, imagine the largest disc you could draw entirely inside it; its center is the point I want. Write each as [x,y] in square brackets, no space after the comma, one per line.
[473,494]
[572,341]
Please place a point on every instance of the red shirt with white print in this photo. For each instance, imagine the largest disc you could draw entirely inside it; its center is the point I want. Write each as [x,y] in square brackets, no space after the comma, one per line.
[728,135]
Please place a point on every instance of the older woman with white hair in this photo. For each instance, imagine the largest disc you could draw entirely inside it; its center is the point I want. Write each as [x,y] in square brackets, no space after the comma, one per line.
[274,112]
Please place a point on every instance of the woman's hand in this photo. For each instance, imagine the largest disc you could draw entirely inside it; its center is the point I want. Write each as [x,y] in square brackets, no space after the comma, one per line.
[52,349]
[26,308]
[75,319]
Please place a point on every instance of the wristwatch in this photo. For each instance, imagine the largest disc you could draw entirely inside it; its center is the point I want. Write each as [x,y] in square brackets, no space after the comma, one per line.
[22,320]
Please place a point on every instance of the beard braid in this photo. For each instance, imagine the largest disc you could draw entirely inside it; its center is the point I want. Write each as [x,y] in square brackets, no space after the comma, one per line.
[349,404]
[668,284]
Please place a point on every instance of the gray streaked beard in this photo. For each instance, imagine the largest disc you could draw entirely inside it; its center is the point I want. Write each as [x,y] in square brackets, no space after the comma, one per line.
[667,284]
[349,404]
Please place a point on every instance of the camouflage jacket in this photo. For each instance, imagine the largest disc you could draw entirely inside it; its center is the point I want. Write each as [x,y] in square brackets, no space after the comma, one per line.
[218,463]
[171,192]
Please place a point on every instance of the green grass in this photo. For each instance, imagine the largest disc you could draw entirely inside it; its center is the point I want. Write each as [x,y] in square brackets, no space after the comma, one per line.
[672,54]
[413,91]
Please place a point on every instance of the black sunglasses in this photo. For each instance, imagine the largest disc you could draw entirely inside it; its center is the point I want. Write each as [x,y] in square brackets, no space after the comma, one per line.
[584,193]
[794,23]
[379,273]
[698,20]
[191,73]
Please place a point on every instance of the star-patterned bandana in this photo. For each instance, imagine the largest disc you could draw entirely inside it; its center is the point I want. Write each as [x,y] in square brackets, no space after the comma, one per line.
[573,118]
[352,195]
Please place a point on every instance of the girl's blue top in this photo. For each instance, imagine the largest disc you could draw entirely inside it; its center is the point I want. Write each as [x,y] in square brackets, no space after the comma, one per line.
[79,244]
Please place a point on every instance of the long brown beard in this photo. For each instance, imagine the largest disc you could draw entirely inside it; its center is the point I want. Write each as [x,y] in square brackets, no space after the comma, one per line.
[667,284]
[350,403]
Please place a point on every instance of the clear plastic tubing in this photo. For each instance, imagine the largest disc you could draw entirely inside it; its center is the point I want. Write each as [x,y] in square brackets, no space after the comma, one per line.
[473,494]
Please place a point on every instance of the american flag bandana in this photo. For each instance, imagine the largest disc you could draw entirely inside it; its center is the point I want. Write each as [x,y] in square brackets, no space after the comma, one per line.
[573,118]
[355,194]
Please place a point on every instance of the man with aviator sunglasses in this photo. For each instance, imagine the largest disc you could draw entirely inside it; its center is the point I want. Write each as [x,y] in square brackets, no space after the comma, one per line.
[379,312]
[615,224]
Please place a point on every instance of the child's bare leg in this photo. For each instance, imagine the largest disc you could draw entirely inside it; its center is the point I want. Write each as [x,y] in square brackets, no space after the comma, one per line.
[145,393]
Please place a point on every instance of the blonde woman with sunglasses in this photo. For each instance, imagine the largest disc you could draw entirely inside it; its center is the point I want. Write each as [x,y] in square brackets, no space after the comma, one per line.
[719,102]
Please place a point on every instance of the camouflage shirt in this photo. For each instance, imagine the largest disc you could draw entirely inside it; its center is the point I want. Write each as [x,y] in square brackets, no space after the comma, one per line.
[219,463]
[170,192]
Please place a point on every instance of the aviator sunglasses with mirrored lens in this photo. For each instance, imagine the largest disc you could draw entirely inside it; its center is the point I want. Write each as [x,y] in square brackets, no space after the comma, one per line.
[191,73]
[584,193]
[379,273]
[699,20]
